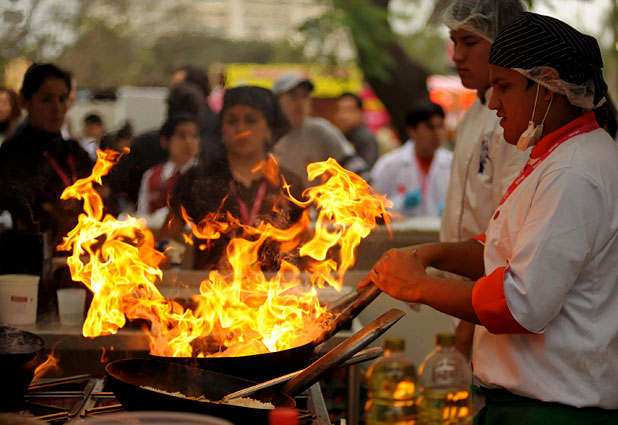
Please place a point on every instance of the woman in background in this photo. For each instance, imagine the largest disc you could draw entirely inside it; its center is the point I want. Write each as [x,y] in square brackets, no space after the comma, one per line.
[37,164]
[10,113]
[250,123]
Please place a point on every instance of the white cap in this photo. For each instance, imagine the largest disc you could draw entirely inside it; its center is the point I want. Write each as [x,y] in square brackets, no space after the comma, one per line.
[289,81]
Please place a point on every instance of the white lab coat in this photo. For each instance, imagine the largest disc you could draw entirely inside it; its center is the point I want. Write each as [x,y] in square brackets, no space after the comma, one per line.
[484,165]
[397,172]
[557,235]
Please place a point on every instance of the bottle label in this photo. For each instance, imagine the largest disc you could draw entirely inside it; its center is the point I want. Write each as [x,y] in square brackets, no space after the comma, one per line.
[445,372]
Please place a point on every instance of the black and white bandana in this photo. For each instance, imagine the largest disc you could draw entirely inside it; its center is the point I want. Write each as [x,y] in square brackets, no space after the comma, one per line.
[533,42]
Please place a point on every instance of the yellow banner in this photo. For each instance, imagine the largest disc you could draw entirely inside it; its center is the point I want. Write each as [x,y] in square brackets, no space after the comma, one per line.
[329,81]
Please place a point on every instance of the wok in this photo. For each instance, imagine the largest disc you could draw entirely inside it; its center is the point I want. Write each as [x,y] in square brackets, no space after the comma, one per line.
[20,352]
[127,379]
[262,367]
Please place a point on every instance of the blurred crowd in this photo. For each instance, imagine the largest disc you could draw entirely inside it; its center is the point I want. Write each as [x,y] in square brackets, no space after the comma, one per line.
[201,161]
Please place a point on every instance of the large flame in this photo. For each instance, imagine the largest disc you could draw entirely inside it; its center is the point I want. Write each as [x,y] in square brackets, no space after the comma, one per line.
[238,312]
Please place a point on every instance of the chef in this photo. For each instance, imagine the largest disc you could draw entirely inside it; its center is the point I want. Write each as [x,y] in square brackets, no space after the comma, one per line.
[545,286]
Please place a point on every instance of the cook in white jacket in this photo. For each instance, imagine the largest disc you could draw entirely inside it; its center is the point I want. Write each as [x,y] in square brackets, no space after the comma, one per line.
[546,289]
[483,164]
[416,175]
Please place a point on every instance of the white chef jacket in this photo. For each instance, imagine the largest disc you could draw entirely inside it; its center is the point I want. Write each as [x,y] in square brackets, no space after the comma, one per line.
[553,249]
[398,172]
[484,165]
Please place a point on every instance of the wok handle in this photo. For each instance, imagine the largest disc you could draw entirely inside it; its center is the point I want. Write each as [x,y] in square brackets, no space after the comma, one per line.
[344,312]
[342,352]
[363,356]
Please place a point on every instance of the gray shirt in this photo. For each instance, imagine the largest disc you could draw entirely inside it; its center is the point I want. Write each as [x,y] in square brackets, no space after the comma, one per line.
[317,140]
[364,143]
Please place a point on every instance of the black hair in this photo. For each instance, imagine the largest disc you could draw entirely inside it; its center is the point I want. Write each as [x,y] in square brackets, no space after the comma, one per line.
[357,99]
[184,98]
[168,128]
[36,75]
[110,141]
[261,99]
[196,76]
[529,83]
[93,118]
[607,117]
[422,111]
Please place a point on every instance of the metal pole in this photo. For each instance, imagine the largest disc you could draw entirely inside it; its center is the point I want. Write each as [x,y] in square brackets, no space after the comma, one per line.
[353,404]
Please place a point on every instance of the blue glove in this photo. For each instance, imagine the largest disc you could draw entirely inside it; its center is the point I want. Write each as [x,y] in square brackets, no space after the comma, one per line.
[413,199]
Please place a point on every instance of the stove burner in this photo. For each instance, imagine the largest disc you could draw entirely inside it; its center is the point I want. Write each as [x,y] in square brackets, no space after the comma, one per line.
[63,400]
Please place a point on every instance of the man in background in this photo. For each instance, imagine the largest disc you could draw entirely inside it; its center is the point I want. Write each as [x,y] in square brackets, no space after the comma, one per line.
[311,139]
[350,121]
[416,175]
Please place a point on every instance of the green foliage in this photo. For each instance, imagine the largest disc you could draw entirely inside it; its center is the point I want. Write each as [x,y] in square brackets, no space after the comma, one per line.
[100,57]
[364,23]
[428,49]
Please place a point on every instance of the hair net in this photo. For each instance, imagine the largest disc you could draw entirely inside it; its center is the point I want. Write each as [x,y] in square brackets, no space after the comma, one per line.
[483,17]
[555,55]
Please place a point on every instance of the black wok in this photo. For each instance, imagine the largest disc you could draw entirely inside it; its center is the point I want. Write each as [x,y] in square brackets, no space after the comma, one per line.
[127,379]
[20,352]
[262,367]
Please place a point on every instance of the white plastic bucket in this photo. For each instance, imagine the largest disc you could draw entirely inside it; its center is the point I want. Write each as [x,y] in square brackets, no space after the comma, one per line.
[18,298]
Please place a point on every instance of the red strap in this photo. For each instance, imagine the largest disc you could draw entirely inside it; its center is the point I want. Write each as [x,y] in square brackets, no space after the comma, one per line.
[247,218]
[549,144]
[159,189]
[480,238]
[490,305]
[60,172]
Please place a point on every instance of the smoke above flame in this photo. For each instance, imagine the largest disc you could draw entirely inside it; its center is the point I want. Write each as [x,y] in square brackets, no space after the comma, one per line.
[240,311]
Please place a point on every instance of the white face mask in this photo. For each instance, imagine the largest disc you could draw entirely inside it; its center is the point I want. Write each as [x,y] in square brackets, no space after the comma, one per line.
[534,132]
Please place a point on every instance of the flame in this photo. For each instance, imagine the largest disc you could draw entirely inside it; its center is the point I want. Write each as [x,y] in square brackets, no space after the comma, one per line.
[240,311]
[50,364]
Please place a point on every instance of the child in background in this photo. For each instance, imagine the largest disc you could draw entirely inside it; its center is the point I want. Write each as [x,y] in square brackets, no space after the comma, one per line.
[93,134]
[180,136]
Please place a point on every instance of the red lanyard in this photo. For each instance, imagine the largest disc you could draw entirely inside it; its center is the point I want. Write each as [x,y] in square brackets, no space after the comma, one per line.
[247,218]
[60,171]
[534,162]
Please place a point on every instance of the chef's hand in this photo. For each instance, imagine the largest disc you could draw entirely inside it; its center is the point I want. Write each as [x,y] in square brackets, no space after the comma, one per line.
[398,273]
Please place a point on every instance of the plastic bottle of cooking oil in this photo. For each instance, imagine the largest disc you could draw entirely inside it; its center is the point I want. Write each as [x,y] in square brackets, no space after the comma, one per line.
[444,386]
[391,387]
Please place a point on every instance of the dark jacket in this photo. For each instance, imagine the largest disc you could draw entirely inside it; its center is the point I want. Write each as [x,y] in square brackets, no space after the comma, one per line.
[35,168]
[205,189]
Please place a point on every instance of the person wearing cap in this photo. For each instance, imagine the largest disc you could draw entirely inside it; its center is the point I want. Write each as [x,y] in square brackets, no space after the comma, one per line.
[546,277]
[483,165]
[311,139]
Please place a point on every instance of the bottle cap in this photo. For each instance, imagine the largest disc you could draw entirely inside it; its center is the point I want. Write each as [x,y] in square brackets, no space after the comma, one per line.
[394,344]
[446,340]
[283,416]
